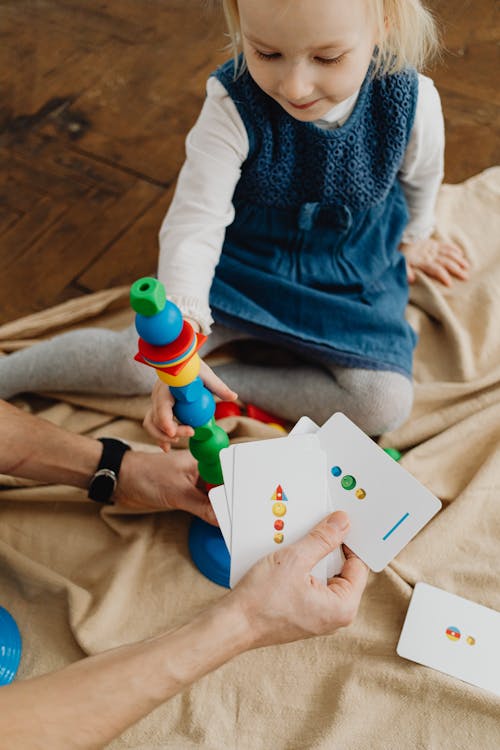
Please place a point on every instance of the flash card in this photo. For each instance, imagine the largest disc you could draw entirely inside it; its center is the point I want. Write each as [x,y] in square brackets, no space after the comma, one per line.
[386,505]
[453,635]
[336,559]
[279,494]
[304,426]
[217,497]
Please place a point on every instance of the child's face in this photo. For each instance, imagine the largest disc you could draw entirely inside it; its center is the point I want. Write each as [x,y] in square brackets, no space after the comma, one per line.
[308,55]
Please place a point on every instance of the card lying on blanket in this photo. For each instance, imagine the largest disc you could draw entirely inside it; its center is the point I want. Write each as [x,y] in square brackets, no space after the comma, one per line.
[386,505]
[452,635]
[277,492]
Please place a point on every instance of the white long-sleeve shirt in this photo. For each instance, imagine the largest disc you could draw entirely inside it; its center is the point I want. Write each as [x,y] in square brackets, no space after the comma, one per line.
[192,233]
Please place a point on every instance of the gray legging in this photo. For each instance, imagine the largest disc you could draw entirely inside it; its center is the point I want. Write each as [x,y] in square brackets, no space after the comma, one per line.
[96,360]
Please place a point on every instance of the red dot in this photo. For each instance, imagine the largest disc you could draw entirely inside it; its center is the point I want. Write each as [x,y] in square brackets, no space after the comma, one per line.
[278,525]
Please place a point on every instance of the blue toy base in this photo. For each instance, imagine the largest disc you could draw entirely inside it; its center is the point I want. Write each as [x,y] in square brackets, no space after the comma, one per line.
[209,552]
[10,647]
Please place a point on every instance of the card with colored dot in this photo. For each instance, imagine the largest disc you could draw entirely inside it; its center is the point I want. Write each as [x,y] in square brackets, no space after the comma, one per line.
[452,635]
[386,505]
[279,492]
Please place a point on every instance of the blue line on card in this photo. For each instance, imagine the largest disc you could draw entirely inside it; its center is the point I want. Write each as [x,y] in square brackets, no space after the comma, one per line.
[403,518]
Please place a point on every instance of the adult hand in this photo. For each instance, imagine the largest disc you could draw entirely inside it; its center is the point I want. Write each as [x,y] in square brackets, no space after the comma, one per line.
[281,601]
[157,482]
[159,420]
[438,259]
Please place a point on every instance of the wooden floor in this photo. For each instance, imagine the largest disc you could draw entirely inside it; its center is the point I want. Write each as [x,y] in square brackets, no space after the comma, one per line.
[96,99]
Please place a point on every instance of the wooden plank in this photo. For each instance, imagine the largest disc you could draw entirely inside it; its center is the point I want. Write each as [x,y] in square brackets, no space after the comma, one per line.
[144,106]
[133,254]
[45,267]
[472,136]
[25,232]
[8,217]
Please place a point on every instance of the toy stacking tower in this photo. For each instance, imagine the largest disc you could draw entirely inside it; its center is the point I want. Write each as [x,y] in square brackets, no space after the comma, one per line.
[169,344]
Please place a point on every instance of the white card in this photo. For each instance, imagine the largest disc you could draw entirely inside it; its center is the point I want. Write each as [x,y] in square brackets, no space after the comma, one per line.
[304,426]
[217,497]
[226,458]
[453,635]
[336,559]
[279,490]
[386,505]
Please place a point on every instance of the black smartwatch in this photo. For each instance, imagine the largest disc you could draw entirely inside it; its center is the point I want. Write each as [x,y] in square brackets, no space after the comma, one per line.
[103,483]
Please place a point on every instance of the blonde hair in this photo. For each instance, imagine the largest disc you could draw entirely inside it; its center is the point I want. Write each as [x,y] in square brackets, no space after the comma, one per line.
[407,31]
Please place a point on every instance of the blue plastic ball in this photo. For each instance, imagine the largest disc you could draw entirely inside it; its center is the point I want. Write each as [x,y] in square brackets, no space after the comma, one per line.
[160,329]
[196,413]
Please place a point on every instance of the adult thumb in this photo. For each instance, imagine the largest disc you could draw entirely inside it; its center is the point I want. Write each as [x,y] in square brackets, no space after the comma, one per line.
[323,538]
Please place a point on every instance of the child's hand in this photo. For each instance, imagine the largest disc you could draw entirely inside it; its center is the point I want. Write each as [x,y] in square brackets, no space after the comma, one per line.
[438,259]
[159,420]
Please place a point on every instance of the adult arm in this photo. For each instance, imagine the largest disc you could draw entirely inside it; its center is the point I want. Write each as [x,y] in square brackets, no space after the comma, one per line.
[34,448]
[85,705]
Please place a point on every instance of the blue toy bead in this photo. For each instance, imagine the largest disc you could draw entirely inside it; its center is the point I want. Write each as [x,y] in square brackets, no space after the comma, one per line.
[10,647]
[196,413]
[160,329]
[190,392]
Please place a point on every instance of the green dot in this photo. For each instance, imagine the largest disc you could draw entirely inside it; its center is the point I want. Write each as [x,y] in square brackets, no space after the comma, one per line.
[348,482]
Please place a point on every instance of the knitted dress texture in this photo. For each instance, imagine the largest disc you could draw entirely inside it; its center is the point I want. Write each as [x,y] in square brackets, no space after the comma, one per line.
[311,260]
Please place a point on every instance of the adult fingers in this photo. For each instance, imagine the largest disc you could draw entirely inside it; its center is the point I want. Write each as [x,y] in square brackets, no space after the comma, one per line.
[355,573]
[322,539]
[196,502]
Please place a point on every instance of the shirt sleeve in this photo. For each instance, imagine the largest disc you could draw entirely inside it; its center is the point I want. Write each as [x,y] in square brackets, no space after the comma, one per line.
[192,232]
[422,170]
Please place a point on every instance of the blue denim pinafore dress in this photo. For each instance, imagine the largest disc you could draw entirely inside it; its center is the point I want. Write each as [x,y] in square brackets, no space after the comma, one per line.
[311,259]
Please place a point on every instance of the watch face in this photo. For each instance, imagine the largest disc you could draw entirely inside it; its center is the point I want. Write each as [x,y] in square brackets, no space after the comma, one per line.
[102,486]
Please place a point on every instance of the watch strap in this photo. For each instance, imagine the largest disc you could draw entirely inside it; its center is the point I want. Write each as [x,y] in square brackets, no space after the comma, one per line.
[103,483]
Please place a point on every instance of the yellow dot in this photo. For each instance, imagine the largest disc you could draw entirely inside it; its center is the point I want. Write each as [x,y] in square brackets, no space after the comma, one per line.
[361,494]
[471,640]
[278,538]
[279,509]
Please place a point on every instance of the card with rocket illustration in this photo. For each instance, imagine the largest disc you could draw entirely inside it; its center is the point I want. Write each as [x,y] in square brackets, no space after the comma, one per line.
[452,635]
[279,493]
[386,505]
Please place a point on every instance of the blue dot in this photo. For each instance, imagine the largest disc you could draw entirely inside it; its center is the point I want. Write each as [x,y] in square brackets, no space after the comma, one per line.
[336,471]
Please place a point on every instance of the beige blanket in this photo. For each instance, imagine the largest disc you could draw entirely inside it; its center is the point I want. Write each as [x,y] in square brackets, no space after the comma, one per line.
[78,581]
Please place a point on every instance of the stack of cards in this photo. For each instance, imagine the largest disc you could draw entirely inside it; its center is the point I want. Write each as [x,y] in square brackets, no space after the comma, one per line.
[274,492]
[320,469]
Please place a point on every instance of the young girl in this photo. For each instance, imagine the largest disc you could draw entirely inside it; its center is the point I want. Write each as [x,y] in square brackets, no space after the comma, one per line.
[305,205]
